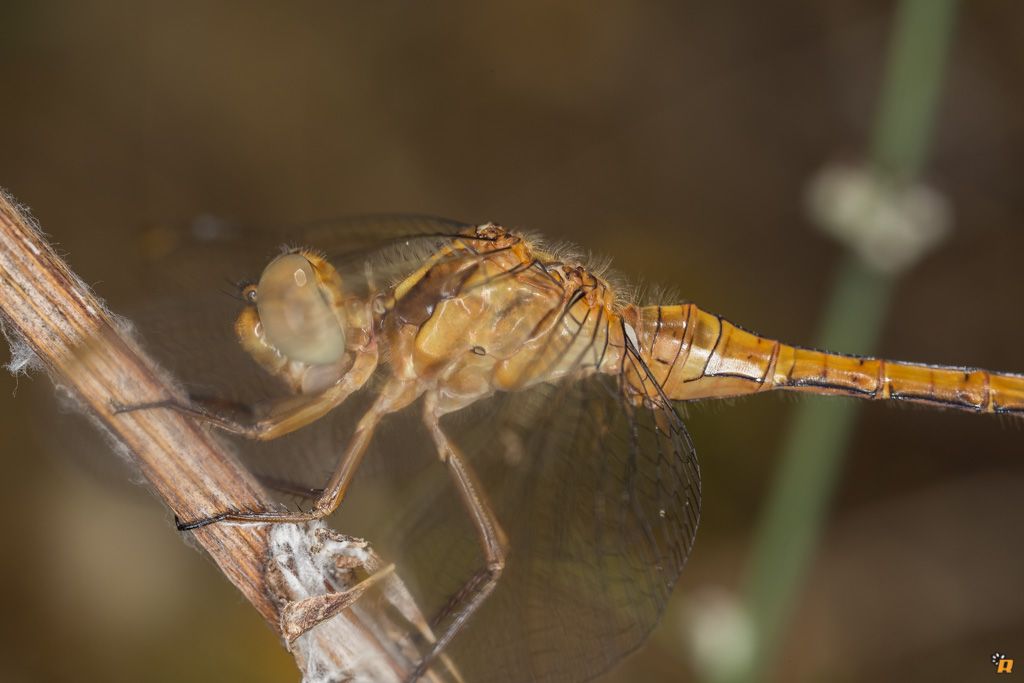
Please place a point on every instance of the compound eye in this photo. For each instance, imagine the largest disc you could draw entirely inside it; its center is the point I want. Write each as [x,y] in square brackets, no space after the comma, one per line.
[297,320]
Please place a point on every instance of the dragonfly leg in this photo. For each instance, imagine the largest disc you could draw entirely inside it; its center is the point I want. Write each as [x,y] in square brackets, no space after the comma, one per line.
[230,416]
[267,420]
[393,397]
[493,540]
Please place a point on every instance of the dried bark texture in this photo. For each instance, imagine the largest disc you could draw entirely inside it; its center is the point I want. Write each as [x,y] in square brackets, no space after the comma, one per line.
[48,309]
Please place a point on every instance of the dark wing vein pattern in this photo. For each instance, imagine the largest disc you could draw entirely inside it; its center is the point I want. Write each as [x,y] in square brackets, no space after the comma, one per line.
[601,501]
[600,498]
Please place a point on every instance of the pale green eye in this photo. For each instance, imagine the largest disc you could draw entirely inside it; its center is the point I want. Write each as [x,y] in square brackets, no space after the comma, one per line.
[296,318]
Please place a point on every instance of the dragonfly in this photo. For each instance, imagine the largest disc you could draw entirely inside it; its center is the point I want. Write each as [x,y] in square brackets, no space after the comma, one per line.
[521,406]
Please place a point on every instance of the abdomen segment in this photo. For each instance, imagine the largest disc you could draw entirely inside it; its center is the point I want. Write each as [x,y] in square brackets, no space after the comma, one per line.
[693,354]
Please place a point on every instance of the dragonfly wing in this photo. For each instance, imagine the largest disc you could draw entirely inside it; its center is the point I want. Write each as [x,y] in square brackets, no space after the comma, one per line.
[202,258]
[600,500]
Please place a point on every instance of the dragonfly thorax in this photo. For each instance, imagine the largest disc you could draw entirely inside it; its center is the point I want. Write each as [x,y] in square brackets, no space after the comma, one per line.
[491,312]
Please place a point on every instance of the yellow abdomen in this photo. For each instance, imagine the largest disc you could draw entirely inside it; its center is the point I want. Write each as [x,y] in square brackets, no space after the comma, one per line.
[693,354]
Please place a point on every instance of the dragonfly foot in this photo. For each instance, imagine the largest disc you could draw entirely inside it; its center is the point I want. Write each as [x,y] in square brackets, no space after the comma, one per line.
[253,517]
[199,524]
[120,408]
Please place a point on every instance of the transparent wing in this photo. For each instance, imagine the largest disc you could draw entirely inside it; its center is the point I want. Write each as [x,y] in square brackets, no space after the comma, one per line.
[211,253]
[601,501]
[600,498]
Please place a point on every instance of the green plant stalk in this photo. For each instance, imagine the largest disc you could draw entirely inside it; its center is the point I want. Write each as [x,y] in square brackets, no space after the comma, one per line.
[813,451]
[791,525]
[915,69]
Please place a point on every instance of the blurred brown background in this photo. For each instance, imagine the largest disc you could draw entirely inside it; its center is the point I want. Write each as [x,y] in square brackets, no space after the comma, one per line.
[676,137]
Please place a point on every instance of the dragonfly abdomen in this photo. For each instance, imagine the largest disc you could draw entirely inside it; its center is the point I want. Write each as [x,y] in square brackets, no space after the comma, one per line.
[693,354]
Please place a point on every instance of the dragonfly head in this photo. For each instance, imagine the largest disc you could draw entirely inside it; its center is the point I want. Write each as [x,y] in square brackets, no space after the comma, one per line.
[294,314]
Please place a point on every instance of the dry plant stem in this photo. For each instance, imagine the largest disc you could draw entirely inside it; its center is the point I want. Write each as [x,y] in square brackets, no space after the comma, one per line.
[46,306]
